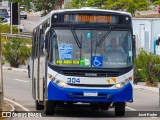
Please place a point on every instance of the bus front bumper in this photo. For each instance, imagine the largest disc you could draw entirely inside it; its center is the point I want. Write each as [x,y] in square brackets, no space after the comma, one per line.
[124,94]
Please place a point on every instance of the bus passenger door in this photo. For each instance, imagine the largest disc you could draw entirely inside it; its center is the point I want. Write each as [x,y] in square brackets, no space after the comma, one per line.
[33,85]
[41,67]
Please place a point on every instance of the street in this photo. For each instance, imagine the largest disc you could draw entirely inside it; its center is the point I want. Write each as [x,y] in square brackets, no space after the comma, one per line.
[30,22]
[17,89]
[90,30]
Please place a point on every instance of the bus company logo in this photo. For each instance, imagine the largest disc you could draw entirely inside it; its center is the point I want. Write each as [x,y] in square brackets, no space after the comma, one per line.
[6,114]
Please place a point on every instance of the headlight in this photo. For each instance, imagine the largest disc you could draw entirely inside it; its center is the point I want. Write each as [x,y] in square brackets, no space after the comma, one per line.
[57,81]
[62,84]
[121,84]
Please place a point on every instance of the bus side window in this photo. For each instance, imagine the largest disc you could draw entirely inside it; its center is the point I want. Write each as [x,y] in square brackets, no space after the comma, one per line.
[46,43]
[34,45]
[41,42]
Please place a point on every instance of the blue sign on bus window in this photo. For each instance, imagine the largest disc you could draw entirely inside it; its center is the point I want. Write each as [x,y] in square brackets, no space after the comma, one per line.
[97,61]
[65,51]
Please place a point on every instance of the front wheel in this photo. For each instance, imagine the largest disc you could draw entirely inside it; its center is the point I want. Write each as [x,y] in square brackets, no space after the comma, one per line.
[119,108]
[38,105]
[50,107]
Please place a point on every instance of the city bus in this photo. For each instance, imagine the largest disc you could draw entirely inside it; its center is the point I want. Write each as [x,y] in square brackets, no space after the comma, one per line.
[83,57]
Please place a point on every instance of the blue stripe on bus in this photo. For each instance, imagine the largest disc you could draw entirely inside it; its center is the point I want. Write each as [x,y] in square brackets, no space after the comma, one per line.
[76,95]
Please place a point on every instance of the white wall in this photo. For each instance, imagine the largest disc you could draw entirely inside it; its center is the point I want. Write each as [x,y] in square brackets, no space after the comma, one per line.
[146,29]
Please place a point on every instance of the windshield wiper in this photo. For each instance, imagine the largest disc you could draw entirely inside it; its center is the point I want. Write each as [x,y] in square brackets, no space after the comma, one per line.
[76,38]
[103,38]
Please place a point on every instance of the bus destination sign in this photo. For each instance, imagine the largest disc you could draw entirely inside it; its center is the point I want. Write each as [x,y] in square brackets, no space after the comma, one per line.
[90,18]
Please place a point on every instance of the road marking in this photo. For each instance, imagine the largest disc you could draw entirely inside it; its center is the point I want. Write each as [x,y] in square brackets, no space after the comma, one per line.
[19,105]
[21,80]
[129,108]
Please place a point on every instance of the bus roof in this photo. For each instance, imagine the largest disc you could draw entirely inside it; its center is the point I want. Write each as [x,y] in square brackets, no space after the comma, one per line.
[48,16]
[90,9]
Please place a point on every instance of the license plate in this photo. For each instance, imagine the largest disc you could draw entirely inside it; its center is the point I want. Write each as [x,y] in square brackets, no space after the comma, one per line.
[90,94]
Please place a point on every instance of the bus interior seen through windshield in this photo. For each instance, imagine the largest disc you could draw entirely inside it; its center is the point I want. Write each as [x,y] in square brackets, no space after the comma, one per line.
[112,47]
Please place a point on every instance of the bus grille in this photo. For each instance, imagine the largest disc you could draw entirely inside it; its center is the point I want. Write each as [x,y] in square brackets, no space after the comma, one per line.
[79,96]
[84,73]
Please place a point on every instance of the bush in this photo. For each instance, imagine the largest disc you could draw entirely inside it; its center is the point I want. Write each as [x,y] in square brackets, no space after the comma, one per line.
[16,52]
[147,68]
[6,29]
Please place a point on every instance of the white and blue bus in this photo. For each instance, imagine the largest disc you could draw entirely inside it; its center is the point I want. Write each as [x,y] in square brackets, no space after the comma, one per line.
[83,56]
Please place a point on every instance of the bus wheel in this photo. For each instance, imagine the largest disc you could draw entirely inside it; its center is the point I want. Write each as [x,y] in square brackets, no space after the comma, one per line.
[38,106]
[50,107]
[119,108]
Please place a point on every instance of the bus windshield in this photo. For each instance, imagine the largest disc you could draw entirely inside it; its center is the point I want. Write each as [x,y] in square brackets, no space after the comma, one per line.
[103,48]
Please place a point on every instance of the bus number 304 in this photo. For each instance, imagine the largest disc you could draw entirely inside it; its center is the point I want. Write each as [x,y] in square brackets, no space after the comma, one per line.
[73,80]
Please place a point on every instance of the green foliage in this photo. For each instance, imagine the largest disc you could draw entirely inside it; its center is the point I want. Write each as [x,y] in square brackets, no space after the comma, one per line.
[41,5]
[6,28]
[147,67]
[128,5]
[16,52]
[156,2]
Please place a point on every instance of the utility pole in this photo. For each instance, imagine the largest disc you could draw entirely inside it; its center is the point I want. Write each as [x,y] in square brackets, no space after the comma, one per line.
[11,16]
[1,75]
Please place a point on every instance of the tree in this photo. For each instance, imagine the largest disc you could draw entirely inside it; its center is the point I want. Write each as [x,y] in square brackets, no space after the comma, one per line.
[147,68]
[41,5]
[156,2]
[127,5]
[68,5]
[16,52]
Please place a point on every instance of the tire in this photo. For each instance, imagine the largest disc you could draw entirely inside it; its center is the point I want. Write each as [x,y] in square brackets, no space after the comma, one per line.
[38,106]
[94,106]
[119,108]
[50,107]
[25,17]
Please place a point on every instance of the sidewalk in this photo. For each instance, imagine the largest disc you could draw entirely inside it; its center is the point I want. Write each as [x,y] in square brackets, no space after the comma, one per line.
[5,107]
[15,69]
[22,68]
[146,88]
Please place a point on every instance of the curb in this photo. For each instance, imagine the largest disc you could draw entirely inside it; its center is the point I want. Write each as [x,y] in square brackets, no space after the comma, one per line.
[9,104]
[13,108]
[15,69]
[146,88]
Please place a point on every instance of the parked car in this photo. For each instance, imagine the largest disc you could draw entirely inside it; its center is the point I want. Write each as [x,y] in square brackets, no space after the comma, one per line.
[7,21]
[3,13]
[23,13]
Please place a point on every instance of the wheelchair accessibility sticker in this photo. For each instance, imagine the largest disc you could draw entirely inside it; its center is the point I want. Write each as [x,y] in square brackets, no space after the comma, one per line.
[97,61]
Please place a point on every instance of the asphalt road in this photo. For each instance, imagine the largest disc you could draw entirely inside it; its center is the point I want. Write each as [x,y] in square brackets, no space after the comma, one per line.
[17,88]
[30,22]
